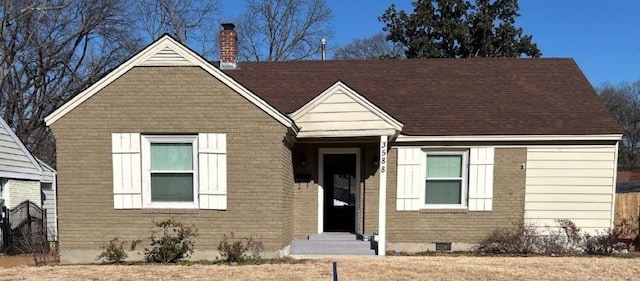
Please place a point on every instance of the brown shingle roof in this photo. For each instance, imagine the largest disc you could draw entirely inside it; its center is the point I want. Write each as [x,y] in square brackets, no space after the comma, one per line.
[447,96]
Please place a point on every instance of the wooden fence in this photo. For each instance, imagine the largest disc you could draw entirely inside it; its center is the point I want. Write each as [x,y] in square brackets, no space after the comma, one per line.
[627,209]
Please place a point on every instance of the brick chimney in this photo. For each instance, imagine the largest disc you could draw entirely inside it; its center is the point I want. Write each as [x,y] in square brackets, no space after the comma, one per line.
[228,46]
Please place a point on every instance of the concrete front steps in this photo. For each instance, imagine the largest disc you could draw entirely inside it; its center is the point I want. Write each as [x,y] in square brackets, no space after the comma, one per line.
[331,243]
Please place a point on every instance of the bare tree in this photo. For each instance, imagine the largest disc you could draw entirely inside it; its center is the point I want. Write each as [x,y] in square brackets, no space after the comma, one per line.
[280,30]
[50,51]
[374,47]
[190,22]
[623,101]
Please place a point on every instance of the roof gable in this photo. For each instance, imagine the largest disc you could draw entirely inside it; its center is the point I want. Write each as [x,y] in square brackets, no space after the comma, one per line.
[340,111]
[168,52]
[15,160]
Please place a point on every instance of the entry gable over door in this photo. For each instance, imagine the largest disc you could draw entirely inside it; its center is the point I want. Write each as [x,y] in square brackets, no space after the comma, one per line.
[340,111]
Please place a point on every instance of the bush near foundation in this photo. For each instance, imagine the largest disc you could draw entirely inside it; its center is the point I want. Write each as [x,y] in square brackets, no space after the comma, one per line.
[567,238]
[240,250]
[518,239]
[628,230]
[114,252]
[171,241]
[605,243]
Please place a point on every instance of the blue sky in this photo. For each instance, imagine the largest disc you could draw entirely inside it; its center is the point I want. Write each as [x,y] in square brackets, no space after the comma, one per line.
[602,36]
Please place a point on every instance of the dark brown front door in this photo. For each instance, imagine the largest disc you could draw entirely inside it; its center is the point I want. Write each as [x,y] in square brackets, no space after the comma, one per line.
[339,192]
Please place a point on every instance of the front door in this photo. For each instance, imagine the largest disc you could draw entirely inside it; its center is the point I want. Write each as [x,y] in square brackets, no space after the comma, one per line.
[339,192]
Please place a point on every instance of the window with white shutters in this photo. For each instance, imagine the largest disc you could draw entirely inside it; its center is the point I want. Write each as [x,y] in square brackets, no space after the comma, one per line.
[169,171]
[444,179]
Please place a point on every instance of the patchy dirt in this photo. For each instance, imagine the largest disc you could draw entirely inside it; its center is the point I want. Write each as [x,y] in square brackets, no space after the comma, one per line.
[7,261]
[355,268]
[11,261]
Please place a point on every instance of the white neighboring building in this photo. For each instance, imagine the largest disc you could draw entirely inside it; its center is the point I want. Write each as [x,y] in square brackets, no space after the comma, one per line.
[23,177]
[48,193]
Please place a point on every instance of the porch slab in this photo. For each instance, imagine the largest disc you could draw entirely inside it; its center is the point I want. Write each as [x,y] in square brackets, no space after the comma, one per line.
[331,244]
[334,236]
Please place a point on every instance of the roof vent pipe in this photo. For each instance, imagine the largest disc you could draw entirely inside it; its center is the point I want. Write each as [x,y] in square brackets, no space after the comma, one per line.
[323,48]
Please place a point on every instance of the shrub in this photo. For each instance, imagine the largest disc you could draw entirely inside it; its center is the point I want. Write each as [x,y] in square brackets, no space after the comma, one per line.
[114,251]
[605,243]
[31,239]
[567,239]
[552,243]
[520,238]
[239,250]
[174,243]
[627,227]
[626,230]
[571,230]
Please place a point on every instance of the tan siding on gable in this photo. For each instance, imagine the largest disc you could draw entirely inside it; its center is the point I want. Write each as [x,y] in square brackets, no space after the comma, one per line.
[340,114]
[570,182]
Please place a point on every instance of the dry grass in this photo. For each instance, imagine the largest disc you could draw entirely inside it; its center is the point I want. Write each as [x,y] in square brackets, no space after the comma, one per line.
[356,268]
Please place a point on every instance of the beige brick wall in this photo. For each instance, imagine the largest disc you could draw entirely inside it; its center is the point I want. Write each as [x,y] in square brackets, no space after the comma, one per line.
[287,195]
[19,191]
[305,206]
[371,189]
[169,100]
[466,227]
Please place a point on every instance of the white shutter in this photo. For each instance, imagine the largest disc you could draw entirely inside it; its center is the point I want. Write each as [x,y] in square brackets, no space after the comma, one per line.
[127,183]
[212,171]
[410,178]
[481,178]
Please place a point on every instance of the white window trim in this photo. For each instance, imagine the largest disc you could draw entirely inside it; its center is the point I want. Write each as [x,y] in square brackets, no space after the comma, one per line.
[465,180]
[146,170]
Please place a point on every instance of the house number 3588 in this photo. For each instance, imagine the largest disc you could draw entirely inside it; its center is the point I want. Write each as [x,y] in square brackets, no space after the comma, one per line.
[383,157]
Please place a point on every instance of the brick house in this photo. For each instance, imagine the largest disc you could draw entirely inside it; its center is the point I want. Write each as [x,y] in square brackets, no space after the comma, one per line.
[419,151]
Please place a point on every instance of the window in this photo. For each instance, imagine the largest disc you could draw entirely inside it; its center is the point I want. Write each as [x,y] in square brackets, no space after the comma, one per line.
[169,166]
[453,179]
[446,179]
[169,171]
